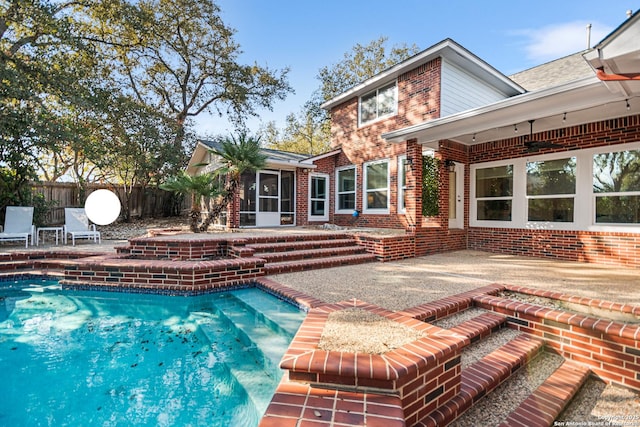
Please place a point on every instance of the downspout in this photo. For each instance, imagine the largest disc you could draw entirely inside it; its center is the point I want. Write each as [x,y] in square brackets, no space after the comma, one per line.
[613,77]
[606,77]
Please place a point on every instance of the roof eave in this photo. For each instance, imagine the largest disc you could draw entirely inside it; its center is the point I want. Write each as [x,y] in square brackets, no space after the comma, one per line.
[571,96]
[447,48]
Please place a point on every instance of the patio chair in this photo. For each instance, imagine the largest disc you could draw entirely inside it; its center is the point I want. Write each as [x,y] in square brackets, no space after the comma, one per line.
[76,223]
[18,224]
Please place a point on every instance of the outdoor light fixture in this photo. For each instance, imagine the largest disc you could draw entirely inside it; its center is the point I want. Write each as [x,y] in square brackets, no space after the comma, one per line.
[515,128]
[628,106]
[474,138]
[408,164]
[450,165]
[564,118]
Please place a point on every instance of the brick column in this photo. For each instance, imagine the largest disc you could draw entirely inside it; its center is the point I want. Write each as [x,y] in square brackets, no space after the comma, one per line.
[414,185]
[233,211]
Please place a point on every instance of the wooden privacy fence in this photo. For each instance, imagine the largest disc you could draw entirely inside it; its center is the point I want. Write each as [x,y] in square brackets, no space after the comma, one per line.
[144,202]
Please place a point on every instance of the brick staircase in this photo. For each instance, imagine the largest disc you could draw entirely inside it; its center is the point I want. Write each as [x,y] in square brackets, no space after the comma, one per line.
[285,254]
[505,359]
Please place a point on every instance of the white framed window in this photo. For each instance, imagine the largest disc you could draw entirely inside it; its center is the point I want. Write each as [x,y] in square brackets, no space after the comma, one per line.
[616,187]
[551,189]
[595,189]
[493,187]
[376,187]
[346,189]
[318,197]
[402,184]
[379,103]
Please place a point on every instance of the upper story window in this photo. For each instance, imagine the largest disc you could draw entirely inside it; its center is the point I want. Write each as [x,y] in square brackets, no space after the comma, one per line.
[379,103]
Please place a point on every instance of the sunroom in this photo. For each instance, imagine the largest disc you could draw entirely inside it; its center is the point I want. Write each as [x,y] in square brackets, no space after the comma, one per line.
[267,198]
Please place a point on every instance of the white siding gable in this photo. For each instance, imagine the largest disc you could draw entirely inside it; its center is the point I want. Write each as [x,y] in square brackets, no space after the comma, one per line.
[462,91]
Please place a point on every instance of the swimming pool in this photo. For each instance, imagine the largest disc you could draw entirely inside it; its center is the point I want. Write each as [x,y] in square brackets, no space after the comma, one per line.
[103,358]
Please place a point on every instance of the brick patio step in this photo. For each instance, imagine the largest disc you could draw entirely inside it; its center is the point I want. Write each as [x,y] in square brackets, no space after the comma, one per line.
[295,238]
[482,377]
[299,245]
[285,254]
[311,264]
[546,403]
[273,257]
[480,327]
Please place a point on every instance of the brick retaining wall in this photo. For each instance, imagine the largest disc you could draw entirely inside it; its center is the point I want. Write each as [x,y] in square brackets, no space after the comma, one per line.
[584,246]
[178,276]
[610,349]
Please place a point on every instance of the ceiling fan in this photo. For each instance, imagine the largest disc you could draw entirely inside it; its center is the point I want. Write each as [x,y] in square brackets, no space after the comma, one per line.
[533,145]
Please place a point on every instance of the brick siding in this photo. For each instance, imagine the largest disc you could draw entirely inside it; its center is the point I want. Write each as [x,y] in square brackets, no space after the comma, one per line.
[418,101]
[616,248]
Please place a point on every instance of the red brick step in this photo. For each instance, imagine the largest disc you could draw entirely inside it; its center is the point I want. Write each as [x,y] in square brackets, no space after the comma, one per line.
[274,257]
[304,243]
[544,405]
[483,376]
[310,264]
[480,327]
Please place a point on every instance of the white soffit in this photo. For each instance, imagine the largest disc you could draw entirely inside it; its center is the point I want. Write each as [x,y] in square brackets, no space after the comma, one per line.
[583,101]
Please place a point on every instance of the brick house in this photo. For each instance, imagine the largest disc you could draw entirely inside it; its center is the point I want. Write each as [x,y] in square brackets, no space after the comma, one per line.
[545,162]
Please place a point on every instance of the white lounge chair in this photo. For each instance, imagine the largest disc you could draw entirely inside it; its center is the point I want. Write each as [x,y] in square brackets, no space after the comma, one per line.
[18,224]
[76,223]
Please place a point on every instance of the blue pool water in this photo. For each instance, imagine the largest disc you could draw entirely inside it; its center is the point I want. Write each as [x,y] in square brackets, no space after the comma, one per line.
[113,359]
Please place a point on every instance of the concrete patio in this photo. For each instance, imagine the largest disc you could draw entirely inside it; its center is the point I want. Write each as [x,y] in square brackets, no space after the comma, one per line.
[397,285]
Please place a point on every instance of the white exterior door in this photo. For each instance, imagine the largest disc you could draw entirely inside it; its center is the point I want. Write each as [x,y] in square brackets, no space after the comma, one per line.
[456,196]
[318,197]
[268,212]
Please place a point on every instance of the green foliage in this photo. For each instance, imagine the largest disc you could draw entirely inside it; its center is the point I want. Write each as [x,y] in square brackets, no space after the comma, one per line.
[41,208]
[181,58]
[15,185]
[16,191]
[359,64]
[44,69]
[240,155]
[197,187]
[430,186]
[305,133]
[106,90]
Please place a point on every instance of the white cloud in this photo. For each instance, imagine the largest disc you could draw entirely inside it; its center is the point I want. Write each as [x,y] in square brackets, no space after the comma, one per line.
[558,40]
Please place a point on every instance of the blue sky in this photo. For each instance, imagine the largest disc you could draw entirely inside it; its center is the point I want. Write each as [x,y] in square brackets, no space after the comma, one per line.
[306,35]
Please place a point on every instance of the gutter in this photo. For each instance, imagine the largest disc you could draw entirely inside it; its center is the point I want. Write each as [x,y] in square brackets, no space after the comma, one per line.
[291,163]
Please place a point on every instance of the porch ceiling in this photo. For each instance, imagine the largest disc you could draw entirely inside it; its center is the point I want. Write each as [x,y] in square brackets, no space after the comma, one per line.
[583,101]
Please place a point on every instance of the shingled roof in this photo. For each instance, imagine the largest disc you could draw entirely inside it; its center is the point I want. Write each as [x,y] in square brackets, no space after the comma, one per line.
[272,155]
[553,73]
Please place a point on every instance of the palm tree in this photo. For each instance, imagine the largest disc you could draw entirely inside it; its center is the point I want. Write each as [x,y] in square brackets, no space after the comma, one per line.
[238,156]
[197,187]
